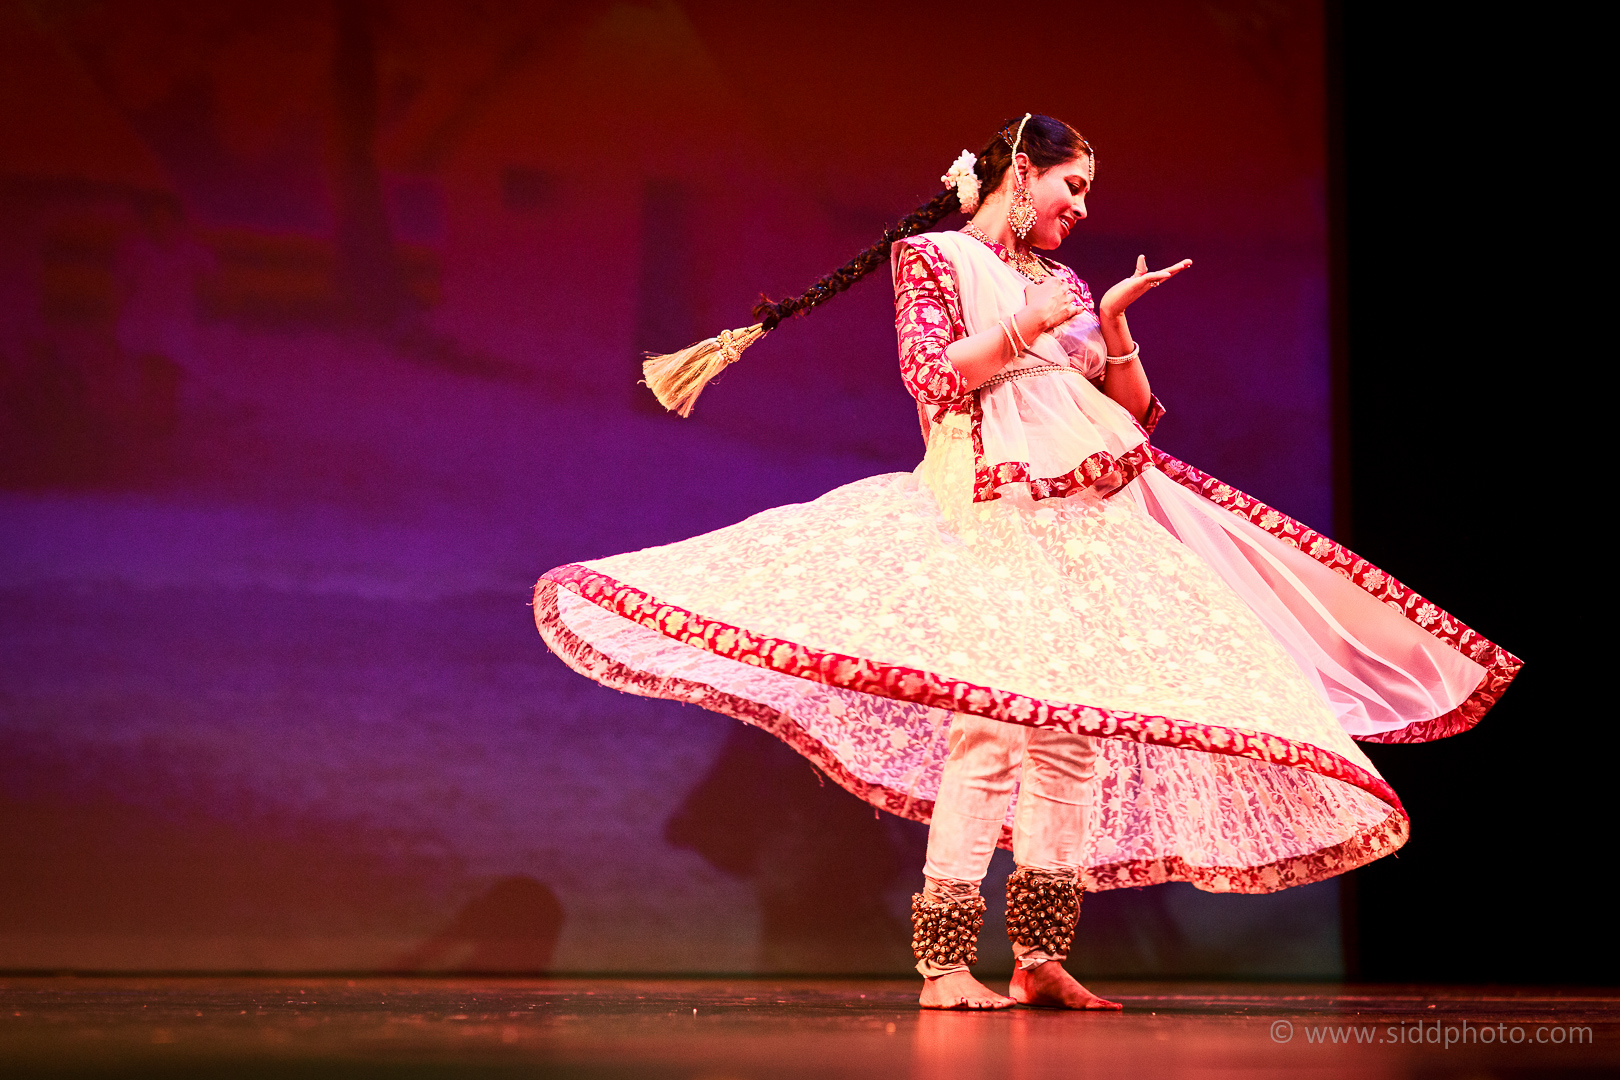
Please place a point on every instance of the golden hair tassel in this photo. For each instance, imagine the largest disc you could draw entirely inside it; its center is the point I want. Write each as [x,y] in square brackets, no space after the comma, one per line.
[676,379]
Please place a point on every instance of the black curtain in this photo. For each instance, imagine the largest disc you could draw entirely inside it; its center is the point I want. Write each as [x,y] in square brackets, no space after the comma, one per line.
[1466,390]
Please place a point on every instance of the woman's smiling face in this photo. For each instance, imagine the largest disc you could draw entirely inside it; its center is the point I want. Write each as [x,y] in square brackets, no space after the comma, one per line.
[1060,199]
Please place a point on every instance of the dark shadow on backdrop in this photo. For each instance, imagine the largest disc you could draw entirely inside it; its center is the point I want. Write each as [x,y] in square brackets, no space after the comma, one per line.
[512,927]
[821,861]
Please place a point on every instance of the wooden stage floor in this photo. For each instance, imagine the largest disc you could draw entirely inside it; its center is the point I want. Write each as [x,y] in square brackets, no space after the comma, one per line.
[709,1029]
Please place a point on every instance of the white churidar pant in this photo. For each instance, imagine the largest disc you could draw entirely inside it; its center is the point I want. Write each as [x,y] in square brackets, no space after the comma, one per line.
[987,760]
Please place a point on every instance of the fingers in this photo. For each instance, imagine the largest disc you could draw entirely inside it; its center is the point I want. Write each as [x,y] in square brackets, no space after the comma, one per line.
[1141,265]
[1159,276]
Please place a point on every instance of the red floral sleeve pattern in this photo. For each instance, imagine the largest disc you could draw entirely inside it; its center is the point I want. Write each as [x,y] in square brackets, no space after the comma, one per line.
[1500,665]
[1155,413]
[1077,288]
[927,318]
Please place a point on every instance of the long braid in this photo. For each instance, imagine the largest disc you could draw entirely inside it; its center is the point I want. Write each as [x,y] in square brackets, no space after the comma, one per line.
[931,213]
[677,378]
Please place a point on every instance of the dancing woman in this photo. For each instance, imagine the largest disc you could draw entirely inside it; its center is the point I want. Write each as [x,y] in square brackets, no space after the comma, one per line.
[1050,636]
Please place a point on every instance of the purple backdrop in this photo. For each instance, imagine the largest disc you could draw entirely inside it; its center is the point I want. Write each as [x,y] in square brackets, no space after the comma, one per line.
[319,325]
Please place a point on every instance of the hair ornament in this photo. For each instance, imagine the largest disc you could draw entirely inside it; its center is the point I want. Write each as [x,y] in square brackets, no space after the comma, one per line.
[965,180]
[1018,138]
[676,379]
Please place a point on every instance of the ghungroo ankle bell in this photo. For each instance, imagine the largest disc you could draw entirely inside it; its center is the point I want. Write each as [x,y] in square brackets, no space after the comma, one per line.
[1042,908]
[946,933]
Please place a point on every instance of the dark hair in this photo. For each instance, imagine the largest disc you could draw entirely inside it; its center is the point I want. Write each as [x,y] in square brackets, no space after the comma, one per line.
[1046,140]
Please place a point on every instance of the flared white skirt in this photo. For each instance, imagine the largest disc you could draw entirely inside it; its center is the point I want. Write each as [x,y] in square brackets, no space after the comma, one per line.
[1225,653]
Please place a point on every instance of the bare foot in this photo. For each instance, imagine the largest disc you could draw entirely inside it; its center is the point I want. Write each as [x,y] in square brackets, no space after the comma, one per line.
[1048,986]
[960,990]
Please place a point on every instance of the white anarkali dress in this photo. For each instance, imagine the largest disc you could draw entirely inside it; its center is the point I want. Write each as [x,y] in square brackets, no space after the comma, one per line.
[1045,565]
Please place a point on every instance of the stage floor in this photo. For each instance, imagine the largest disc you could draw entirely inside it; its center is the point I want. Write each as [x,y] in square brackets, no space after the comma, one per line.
[745,1028]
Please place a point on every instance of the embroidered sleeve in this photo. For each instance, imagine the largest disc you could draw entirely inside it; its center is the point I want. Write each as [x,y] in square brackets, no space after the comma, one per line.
[1155,413]
[1082,294]
[927,318]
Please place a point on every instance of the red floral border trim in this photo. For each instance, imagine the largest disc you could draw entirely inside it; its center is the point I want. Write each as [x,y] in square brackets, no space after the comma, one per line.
[988,478]
[1500,665]
[930,688]
[579,654]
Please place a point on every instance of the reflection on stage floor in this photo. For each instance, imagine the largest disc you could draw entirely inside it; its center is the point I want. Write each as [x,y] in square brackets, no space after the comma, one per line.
[762,1027]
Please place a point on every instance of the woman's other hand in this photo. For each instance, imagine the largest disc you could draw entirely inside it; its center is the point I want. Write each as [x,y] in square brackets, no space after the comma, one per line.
[1050,303]
[1124,294]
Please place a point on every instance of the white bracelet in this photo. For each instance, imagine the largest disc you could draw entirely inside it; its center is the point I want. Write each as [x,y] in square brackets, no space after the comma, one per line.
[1013,321]
[1008,335]
[1134,354]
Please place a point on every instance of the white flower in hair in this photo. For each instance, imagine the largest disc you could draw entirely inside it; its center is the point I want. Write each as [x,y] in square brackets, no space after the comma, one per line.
[962,177]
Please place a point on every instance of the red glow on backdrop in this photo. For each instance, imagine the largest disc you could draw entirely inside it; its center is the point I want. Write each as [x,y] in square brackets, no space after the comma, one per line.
[320,328]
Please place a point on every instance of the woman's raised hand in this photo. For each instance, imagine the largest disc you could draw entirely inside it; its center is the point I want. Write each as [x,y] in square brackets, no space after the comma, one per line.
[1123,295]
[1051,302]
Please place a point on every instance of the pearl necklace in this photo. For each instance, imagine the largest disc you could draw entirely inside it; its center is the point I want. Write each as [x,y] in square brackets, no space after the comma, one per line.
[1027,263]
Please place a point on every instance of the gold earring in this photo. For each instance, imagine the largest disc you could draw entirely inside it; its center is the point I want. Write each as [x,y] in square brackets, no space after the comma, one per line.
[1021,207]
[1021,212]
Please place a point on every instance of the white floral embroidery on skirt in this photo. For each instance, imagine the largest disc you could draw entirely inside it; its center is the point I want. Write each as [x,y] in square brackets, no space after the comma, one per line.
[1079,600]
